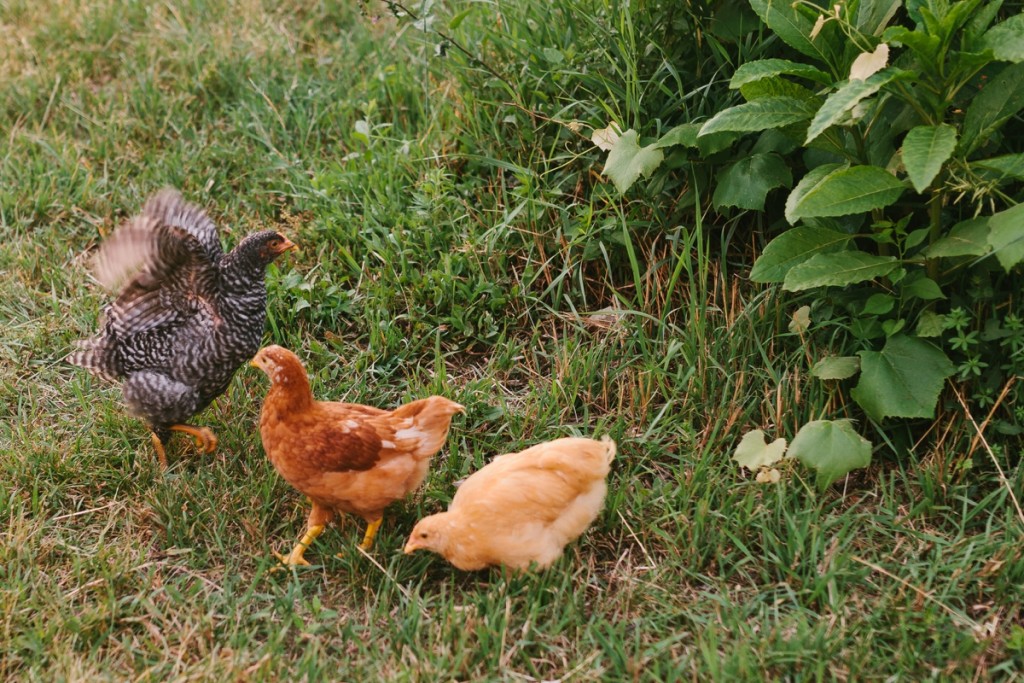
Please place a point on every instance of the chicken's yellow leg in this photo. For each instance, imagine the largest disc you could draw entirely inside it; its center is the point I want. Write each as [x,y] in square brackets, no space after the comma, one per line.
[319,518]
[158,446]
[371,533]
[206,441]
[295,557]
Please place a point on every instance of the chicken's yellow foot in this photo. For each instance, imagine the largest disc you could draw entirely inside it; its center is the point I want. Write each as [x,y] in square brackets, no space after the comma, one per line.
[295,557]
[158,446]
[371,533]
[206,440]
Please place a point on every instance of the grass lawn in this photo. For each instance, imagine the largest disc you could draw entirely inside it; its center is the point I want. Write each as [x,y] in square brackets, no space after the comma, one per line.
[450,244]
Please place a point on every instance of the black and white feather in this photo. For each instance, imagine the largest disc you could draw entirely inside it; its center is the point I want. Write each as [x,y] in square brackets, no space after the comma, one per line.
[185,315]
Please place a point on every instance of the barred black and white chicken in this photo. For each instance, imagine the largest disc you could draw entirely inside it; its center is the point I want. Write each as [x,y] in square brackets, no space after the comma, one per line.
[186,315]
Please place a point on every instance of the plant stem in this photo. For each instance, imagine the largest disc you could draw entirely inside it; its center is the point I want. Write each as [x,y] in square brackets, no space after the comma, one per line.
[884,248]
[935,230]
[911,100]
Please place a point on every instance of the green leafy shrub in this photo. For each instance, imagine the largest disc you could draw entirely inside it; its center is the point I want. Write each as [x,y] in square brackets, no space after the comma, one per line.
[875,141]
[905,227]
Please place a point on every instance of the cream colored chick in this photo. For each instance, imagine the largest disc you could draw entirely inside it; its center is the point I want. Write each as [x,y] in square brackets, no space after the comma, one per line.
[521,507]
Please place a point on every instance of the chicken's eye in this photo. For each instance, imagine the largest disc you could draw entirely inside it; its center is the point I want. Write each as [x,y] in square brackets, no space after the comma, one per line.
[423,534]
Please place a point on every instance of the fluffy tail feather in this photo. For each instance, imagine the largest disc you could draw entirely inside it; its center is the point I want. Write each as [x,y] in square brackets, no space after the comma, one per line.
[425,422]
[94,355]
[429,409]
[610,448]
[577,457]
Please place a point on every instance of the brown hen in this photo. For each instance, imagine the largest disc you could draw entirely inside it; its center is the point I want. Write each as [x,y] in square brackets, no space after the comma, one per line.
[344,456]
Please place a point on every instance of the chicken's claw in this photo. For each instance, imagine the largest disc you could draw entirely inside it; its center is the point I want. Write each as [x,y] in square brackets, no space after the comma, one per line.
[210,441]
[295,557]
[291,560]
[206,440]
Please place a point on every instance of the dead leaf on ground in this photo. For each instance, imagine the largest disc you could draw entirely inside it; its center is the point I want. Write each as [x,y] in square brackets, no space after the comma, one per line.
[605,138]
[868,63]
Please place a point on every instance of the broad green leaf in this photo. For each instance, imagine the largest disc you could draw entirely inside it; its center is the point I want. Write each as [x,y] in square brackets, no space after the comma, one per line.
[836,367]
[833,146]
[844,191]
[769,112]
[832,448]
[794,246]
[767,68]
[776,86]
[980,21]
[774,140]
[847,96]
[628,161]
[747,182]
[1007,166]
[966,238]
[943,19]
[925,150]
[879,304]
[923,288]
[998,101]
[904,379]
[1006,39]
[808,183]
[957,14]
[914,10]
[684,134]
[891,327]
[794,28]
[915,237]
[973,62]
[873,15]
[716,142]
[754,451]
[1006,236]
[925,47]
[930,324]
[838,269]
[866,328]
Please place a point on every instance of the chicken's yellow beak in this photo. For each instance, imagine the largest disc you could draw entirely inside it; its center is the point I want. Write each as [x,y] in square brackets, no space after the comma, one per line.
[287,245]
[410,547]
